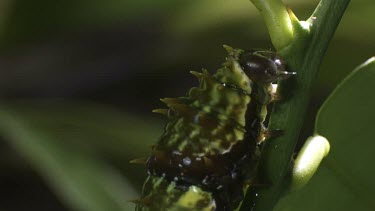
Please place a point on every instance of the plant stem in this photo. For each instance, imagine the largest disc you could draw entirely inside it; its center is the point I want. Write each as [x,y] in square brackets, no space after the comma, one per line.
[304,56]
[277,21]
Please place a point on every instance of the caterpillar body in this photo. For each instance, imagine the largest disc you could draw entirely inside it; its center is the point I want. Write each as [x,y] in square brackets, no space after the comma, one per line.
[209,152]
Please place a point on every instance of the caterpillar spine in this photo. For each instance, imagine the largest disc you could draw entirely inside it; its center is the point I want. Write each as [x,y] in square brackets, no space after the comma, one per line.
[210,148]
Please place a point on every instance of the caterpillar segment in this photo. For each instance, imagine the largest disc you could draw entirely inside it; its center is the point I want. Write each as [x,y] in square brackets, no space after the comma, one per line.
[210,148]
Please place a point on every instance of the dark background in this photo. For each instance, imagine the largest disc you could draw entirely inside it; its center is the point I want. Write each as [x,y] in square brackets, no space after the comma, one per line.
[57,57]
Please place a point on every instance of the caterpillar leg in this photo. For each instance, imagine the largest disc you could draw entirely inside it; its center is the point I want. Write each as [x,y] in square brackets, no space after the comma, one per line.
[275,97]
[272,133]
[266,134]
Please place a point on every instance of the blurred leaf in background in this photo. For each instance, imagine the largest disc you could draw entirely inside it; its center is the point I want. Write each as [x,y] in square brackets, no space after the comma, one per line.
[79,79]
[78,177]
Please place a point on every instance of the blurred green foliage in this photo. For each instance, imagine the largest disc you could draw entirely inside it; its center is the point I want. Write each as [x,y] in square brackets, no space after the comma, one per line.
[79,78]
[344,180]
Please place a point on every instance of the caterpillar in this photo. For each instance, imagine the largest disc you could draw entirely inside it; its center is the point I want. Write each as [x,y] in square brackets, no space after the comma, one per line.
[210,149]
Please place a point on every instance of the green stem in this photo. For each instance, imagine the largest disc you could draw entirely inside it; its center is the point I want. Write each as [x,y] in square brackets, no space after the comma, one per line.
[277,21]
[303,55]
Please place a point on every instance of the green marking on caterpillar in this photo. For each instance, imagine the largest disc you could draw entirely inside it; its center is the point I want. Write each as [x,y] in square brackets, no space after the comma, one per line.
[211,144]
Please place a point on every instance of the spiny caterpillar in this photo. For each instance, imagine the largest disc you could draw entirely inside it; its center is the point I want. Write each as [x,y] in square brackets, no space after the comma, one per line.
[209,152]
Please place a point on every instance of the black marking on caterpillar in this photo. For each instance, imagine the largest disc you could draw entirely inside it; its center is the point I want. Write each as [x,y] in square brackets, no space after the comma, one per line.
[211,146]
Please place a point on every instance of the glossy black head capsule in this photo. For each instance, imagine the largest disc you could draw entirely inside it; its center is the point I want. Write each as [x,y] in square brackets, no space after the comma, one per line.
[263,66]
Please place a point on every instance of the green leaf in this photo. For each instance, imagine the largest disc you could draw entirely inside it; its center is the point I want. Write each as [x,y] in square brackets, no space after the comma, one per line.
[345,180]
[119,135]
[55,139]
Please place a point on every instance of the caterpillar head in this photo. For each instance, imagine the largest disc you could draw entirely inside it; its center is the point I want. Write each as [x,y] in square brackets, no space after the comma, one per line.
[263,66]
